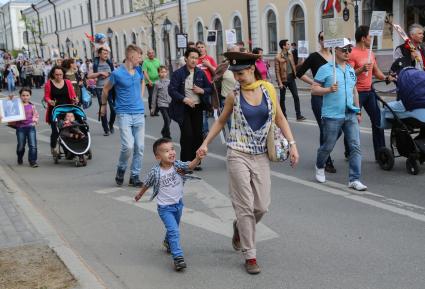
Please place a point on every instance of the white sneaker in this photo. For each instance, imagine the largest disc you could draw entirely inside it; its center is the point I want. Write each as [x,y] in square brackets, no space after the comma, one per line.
[357,185]
[320,175]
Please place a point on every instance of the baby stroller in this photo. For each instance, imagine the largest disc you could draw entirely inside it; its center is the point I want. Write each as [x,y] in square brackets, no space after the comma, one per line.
[406,119]
[77,150]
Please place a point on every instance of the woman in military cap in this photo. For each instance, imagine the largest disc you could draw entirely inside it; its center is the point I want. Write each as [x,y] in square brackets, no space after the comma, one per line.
[251,107]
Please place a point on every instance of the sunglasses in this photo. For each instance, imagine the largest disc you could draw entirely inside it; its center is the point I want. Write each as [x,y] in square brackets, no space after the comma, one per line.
[345,49]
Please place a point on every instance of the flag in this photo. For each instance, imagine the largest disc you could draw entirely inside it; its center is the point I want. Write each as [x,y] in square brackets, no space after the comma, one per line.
[328,4]
[90,37]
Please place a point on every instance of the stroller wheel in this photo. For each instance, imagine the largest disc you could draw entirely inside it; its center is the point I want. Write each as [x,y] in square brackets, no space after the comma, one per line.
[412,166]
[89,154]
[385,159]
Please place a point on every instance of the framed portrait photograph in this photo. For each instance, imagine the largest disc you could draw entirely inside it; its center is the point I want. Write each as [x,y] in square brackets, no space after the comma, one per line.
[11,109]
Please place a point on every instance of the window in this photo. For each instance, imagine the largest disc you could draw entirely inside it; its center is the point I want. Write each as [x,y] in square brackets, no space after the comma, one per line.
[106,9]
[130,4]
[82,14]
[45,26]
[117,48]
[124,41]
[98,9]
[51,23]
[219,46]
[176,31]
[238,27]
[113,9]
[122,6]
[271,32]
[70,18]
[85,49]
[65,23]
[59,22]
[298,24]
[200,31]
[133,38]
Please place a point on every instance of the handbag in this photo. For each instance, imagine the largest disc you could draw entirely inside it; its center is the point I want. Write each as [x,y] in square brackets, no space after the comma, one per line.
[86,98]
[277,144]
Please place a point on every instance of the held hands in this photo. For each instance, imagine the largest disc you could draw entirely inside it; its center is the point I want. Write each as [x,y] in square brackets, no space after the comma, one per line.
[333,88]
[202,151]
[189,102]
[197,89]
[367,67]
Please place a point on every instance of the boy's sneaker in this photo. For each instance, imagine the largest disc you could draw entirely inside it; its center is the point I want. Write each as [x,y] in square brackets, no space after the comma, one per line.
[252,267]
[34,165]
[357,185]
[179,263]
[135,181]
[166,246]
[119,178]
[320,175]
[236,241]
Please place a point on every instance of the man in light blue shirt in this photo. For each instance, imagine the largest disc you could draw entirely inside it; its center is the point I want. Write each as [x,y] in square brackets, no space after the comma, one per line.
[128,83]
[340,111]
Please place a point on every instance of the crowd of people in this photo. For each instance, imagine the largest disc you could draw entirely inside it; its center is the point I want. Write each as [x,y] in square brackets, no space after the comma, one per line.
[240,88]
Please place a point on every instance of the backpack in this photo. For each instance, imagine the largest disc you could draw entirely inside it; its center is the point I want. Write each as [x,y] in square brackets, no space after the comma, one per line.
[411,88]
[96,68]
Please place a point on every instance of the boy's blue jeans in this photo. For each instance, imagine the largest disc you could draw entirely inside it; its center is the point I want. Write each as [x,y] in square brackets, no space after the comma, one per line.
[170,216]
[24,134]
[331,130]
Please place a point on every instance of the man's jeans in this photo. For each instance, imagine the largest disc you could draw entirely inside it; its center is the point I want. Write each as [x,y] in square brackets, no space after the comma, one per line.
[132,134]
[112,115]
[369,100]
[170,216]
[292,85]
[331,130]
[24,134]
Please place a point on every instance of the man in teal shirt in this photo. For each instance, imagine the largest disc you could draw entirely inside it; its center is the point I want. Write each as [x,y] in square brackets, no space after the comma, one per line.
[150,70]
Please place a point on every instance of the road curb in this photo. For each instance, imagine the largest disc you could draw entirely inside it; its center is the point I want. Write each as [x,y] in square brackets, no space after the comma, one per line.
[86,277]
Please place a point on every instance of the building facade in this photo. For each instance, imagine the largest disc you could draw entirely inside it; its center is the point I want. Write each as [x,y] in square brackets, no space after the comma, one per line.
[11,25]
[267,21]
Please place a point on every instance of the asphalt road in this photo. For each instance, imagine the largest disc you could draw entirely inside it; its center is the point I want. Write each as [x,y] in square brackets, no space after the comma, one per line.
[315,236]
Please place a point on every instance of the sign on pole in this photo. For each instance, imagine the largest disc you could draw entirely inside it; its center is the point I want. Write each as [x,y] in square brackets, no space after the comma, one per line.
[333,36]
[181,39]
[303,49]
[211,37]
[231,36]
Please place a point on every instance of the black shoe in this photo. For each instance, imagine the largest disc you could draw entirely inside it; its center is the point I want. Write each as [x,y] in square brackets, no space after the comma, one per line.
[135,181]
[179,263]
[34,165]
[111,128]
[106,133]
[119,178]
[300,118]
[20,161]
[329,168]
[166,246]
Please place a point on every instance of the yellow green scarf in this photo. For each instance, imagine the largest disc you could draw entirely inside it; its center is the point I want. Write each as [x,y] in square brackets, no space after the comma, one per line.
[270,89]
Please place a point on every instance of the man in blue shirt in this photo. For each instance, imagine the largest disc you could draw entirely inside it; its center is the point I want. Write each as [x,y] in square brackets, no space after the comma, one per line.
[340,111]
[128,83]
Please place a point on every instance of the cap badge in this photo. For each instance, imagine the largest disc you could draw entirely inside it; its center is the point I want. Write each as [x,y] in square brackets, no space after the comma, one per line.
[234,61]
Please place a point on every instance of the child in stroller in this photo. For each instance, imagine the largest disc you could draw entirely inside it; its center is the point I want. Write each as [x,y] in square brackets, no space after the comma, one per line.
[70,127]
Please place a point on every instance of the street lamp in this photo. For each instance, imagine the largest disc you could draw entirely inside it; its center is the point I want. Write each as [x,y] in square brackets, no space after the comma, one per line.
[167,28]
[68,44]
[110,34]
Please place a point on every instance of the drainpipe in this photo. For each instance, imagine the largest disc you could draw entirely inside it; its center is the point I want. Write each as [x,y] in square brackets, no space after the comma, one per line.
[56,25]
[249,25]
[39,29]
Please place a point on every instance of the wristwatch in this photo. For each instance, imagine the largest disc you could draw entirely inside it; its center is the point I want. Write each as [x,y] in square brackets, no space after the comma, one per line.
[292,142]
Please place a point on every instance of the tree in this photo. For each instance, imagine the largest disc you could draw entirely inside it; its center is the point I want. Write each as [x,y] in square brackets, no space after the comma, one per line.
[31,26]
[152,16]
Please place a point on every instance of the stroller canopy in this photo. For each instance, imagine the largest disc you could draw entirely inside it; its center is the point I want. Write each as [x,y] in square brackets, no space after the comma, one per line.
[60,109]
[411,88]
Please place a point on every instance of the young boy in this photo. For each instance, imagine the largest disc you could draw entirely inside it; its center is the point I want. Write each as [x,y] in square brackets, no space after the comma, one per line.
[167,179]
[162,99]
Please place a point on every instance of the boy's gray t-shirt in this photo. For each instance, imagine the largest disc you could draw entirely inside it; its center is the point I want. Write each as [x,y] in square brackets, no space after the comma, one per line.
[170,187]
[102,67]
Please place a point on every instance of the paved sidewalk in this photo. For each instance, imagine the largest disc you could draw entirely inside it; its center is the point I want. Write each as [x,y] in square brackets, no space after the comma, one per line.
[15,228]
